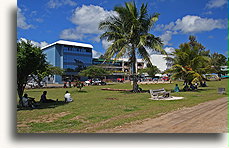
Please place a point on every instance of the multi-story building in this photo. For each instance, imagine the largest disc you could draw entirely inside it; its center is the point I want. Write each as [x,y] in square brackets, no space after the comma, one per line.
[71,56]
[120,68]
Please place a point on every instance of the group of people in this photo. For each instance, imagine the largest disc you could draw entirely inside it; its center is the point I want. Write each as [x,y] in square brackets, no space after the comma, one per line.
[30,102]
[186,87]
[189,87]
[69,84]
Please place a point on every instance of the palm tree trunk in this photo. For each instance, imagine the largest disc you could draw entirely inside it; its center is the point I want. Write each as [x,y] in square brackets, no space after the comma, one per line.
[20,90]
[134,71]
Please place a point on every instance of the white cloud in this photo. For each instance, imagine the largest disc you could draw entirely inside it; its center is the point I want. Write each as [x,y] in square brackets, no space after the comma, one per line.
[210,36]
[216,3]
[208,12]
[166,37]
[96,54]
[71,34]
[169,50]
[59,3]
[194,24]
[86,19]
[38,44]
[40,20]
[226,53]
[21,20]
[106,44]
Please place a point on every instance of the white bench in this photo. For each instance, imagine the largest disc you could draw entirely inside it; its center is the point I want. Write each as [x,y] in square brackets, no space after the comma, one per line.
[159,94]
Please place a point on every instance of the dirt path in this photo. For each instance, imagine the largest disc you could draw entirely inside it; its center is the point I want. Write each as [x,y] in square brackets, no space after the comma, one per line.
[208,117]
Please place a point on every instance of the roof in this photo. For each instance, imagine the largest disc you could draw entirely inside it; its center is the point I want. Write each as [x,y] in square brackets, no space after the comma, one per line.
[62,42]
[102,60]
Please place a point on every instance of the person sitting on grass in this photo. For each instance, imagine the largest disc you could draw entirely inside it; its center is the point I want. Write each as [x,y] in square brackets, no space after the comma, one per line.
[176,89]
[67,97]
[196,85]
[203,84]
[186,87]
[192,87]
[28,101]
[45,100]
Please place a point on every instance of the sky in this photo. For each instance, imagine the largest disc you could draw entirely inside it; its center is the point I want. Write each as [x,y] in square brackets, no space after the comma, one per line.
[47,21]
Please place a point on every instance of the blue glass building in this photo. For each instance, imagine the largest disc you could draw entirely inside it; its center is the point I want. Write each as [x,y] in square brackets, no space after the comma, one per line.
[71,56]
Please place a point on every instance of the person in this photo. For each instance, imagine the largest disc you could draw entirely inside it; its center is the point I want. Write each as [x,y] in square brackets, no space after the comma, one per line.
[192,87]
[65,84]
[45,100]
[70,84]
[28,101]
[203,84]
[196,85]
[186,88]
[176,89]
[67,97]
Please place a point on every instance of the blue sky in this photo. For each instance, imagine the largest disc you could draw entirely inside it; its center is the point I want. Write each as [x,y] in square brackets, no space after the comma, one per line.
[46,21]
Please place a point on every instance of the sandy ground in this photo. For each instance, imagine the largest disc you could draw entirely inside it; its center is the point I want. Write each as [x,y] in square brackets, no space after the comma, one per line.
[208,117]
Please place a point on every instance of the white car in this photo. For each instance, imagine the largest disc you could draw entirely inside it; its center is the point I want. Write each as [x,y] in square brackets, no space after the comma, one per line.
[87,82]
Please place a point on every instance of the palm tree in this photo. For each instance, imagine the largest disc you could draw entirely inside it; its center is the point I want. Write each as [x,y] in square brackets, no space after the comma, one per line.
[191,61]
[129,32]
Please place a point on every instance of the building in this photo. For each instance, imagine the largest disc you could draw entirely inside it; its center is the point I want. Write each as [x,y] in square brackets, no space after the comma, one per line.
[74,57]
[120,68]
[160,61]
[71,56]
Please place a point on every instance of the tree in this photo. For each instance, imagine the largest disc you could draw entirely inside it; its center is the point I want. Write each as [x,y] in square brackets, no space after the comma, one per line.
[45,71]
[218,60]
[150,69]
[93,72]
[191,61]
[129,32]
[29,59]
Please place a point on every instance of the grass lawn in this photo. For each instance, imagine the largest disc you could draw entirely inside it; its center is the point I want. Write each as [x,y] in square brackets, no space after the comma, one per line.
[93,110]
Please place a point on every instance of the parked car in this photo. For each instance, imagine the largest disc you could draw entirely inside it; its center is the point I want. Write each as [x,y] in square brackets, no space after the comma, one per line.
[155,79]
[33,84]
[88,82]
[165,78]
[97,81]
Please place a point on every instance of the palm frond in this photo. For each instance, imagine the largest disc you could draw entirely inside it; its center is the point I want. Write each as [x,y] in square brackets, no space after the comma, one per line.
[144,54]
[152,42]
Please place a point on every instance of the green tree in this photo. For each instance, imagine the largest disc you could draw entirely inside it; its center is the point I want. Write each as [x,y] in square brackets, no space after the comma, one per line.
[218,60]
[94,72]
[29,59]
[129,32]
[45,71]
[150,69]
[191,61]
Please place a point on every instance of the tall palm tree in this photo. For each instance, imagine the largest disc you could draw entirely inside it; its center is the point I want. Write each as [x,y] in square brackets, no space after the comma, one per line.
[191,61]
[129,32]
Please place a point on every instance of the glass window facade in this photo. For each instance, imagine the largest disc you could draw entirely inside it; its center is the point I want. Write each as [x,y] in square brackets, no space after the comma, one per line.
[75,57]
[71,58]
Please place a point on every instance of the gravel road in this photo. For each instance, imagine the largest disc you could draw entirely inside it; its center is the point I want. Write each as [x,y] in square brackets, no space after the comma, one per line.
[207,117]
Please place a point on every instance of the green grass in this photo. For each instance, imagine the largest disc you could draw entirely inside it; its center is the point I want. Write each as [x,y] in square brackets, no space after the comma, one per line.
[91,111]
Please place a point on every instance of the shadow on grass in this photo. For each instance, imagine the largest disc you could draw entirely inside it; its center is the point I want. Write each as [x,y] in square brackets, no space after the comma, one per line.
[82,91]
[131,92]
[199,90]
[171,91]
[31,90]
[43,105]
